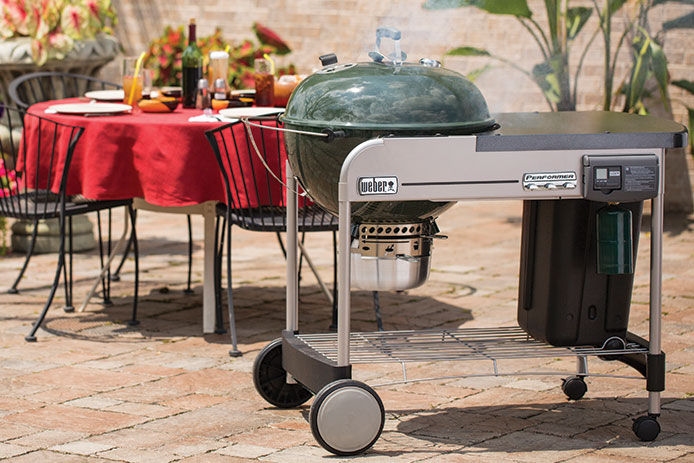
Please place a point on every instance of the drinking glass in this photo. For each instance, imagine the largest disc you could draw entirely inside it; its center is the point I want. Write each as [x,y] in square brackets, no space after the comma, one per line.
[264,83]
[284,86]
[135,84]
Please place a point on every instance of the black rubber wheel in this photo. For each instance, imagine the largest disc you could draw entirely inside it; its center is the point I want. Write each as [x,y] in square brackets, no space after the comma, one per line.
[612,344]
[574,387]
[347,417]
[646,428]
[270,379]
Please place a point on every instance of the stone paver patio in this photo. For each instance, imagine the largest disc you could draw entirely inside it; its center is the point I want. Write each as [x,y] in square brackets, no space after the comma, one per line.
[92,389]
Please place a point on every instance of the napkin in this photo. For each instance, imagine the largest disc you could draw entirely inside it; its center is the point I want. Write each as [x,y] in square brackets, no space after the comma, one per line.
[211,118]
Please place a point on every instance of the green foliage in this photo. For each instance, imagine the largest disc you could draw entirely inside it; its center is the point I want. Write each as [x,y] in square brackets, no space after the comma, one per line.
[468,51]
[552,75]
[683,22]
[164,55]
[55,25]
[687,85]
[512,7]
[576,18]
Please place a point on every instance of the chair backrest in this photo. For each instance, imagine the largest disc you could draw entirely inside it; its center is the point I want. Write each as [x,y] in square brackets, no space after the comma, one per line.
[35,156]
[255,195]
[43,86]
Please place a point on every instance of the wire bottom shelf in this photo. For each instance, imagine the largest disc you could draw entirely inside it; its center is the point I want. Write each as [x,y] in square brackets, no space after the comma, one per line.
[457,344]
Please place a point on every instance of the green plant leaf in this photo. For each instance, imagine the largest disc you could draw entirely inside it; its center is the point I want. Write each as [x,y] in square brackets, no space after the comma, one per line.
[576,18]
[638,75]
[513,7]
[545,77]
[468,51]
[660,2]
[683,22]
[691,128]
[475,73]
[659,66]
[688,85]
[552,7]
[616,5]
[444,4]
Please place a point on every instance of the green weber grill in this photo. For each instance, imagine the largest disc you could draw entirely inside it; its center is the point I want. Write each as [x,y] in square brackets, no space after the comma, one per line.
[582,177]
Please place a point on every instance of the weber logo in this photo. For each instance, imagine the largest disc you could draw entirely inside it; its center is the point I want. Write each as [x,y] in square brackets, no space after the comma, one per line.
[378,185]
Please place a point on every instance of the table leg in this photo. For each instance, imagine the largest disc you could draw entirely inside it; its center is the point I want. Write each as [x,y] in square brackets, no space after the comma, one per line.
[208,300]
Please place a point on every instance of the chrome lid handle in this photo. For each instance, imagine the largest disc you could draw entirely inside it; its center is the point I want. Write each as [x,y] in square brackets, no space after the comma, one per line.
[398,56]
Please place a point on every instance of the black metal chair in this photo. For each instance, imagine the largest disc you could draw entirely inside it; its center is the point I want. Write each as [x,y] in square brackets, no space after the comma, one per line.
[255,201]
[43,86]
[34,186]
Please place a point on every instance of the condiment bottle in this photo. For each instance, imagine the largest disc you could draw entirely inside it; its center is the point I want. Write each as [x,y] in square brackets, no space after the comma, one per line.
[203,100]
[192,68]
[264,83]
[220,89]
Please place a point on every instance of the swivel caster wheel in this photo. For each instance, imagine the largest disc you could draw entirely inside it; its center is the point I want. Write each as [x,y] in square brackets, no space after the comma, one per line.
[574,387]
[646,427]
[270,379]
[347,417]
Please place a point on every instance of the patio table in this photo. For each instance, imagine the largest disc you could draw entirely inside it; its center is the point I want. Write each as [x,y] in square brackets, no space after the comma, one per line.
[161,160]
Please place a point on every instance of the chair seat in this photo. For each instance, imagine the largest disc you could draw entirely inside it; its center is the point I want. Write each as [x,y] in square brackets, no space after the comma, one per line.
[44,205]
[274,218]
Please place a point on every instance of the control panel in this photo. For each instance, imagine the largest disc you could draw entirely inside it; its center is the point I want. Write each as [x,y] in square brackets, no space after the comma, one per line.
[618,178]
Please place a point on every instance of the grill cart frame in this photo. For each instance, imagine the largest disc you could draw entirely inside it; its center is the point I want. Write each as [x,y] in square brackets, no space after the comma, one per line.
[347,416]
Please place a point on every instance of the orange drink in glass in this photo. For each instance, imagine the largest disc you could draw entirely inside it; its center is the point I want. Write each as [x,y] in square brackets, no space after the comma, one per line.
[128,82]
[139,86]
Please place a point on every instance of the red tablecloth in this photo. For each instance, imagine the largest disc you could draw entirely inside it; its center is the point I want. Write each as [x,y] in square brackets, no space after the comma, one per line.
[162,158]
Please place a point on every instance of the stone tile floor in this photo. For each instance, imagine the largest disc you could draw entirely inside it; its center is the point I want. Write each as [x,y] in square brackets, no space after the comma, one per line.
[93,389]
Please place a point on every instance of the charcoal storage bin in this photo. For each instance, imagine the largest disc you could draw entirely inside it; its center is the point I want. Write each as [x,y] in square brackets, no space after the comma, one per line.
[562,299]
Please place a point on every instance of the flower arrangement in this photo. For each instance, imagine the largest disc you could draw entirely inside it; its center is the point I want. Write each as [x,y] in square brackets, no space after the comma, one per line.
[164,54]
[55,25]
[8,180]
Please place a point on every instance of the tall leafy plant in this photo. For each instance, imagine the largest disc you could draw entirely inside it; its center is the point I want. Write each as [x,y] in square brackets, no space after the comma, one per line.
[648,59]
[553,75]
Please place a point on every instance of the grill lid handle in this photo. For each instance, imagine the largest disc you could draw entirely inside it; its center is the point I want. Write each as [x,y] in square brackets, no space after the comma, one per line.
[327,60]
[398,56]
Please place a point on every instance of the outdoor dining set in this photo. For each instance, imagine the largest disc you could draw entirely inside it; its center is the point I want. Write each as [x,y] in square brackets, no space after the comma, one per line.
[71,163]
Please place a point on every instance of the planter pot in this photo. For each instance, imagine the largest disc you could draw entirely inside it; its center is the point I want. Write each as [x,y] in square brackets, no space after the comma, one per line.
[48,235]
[87,58]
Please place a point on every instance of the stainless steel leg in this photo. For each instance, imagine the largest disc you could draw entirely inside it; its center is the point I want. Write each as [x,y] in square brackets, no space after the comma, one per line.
[343,291]
[654,334]
[581,366]
[292,244]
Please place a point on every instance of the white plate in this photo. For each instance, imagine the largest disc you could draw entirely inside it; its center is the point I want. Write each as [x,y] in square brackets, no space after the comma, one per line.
[247,92]
[251,111]
[90,108]
[106,95]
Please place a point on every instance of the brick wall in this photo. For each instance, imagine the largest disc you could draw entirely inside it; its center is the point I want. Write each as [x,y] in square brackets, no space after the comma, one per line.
[314,27]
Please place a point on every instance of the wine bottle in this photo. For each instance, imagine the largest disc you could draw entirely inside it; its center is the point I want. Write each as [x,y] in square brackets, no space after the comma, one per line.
[192,68]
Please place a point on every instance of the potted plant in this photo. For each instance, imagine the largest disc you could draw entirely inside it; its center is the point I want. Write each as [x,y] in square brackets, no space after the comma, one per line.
[54,35]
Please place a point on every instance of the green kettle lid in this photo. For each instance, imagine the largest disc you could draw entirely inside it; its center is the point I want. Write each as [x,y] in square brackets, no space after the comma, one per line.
[388,94]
